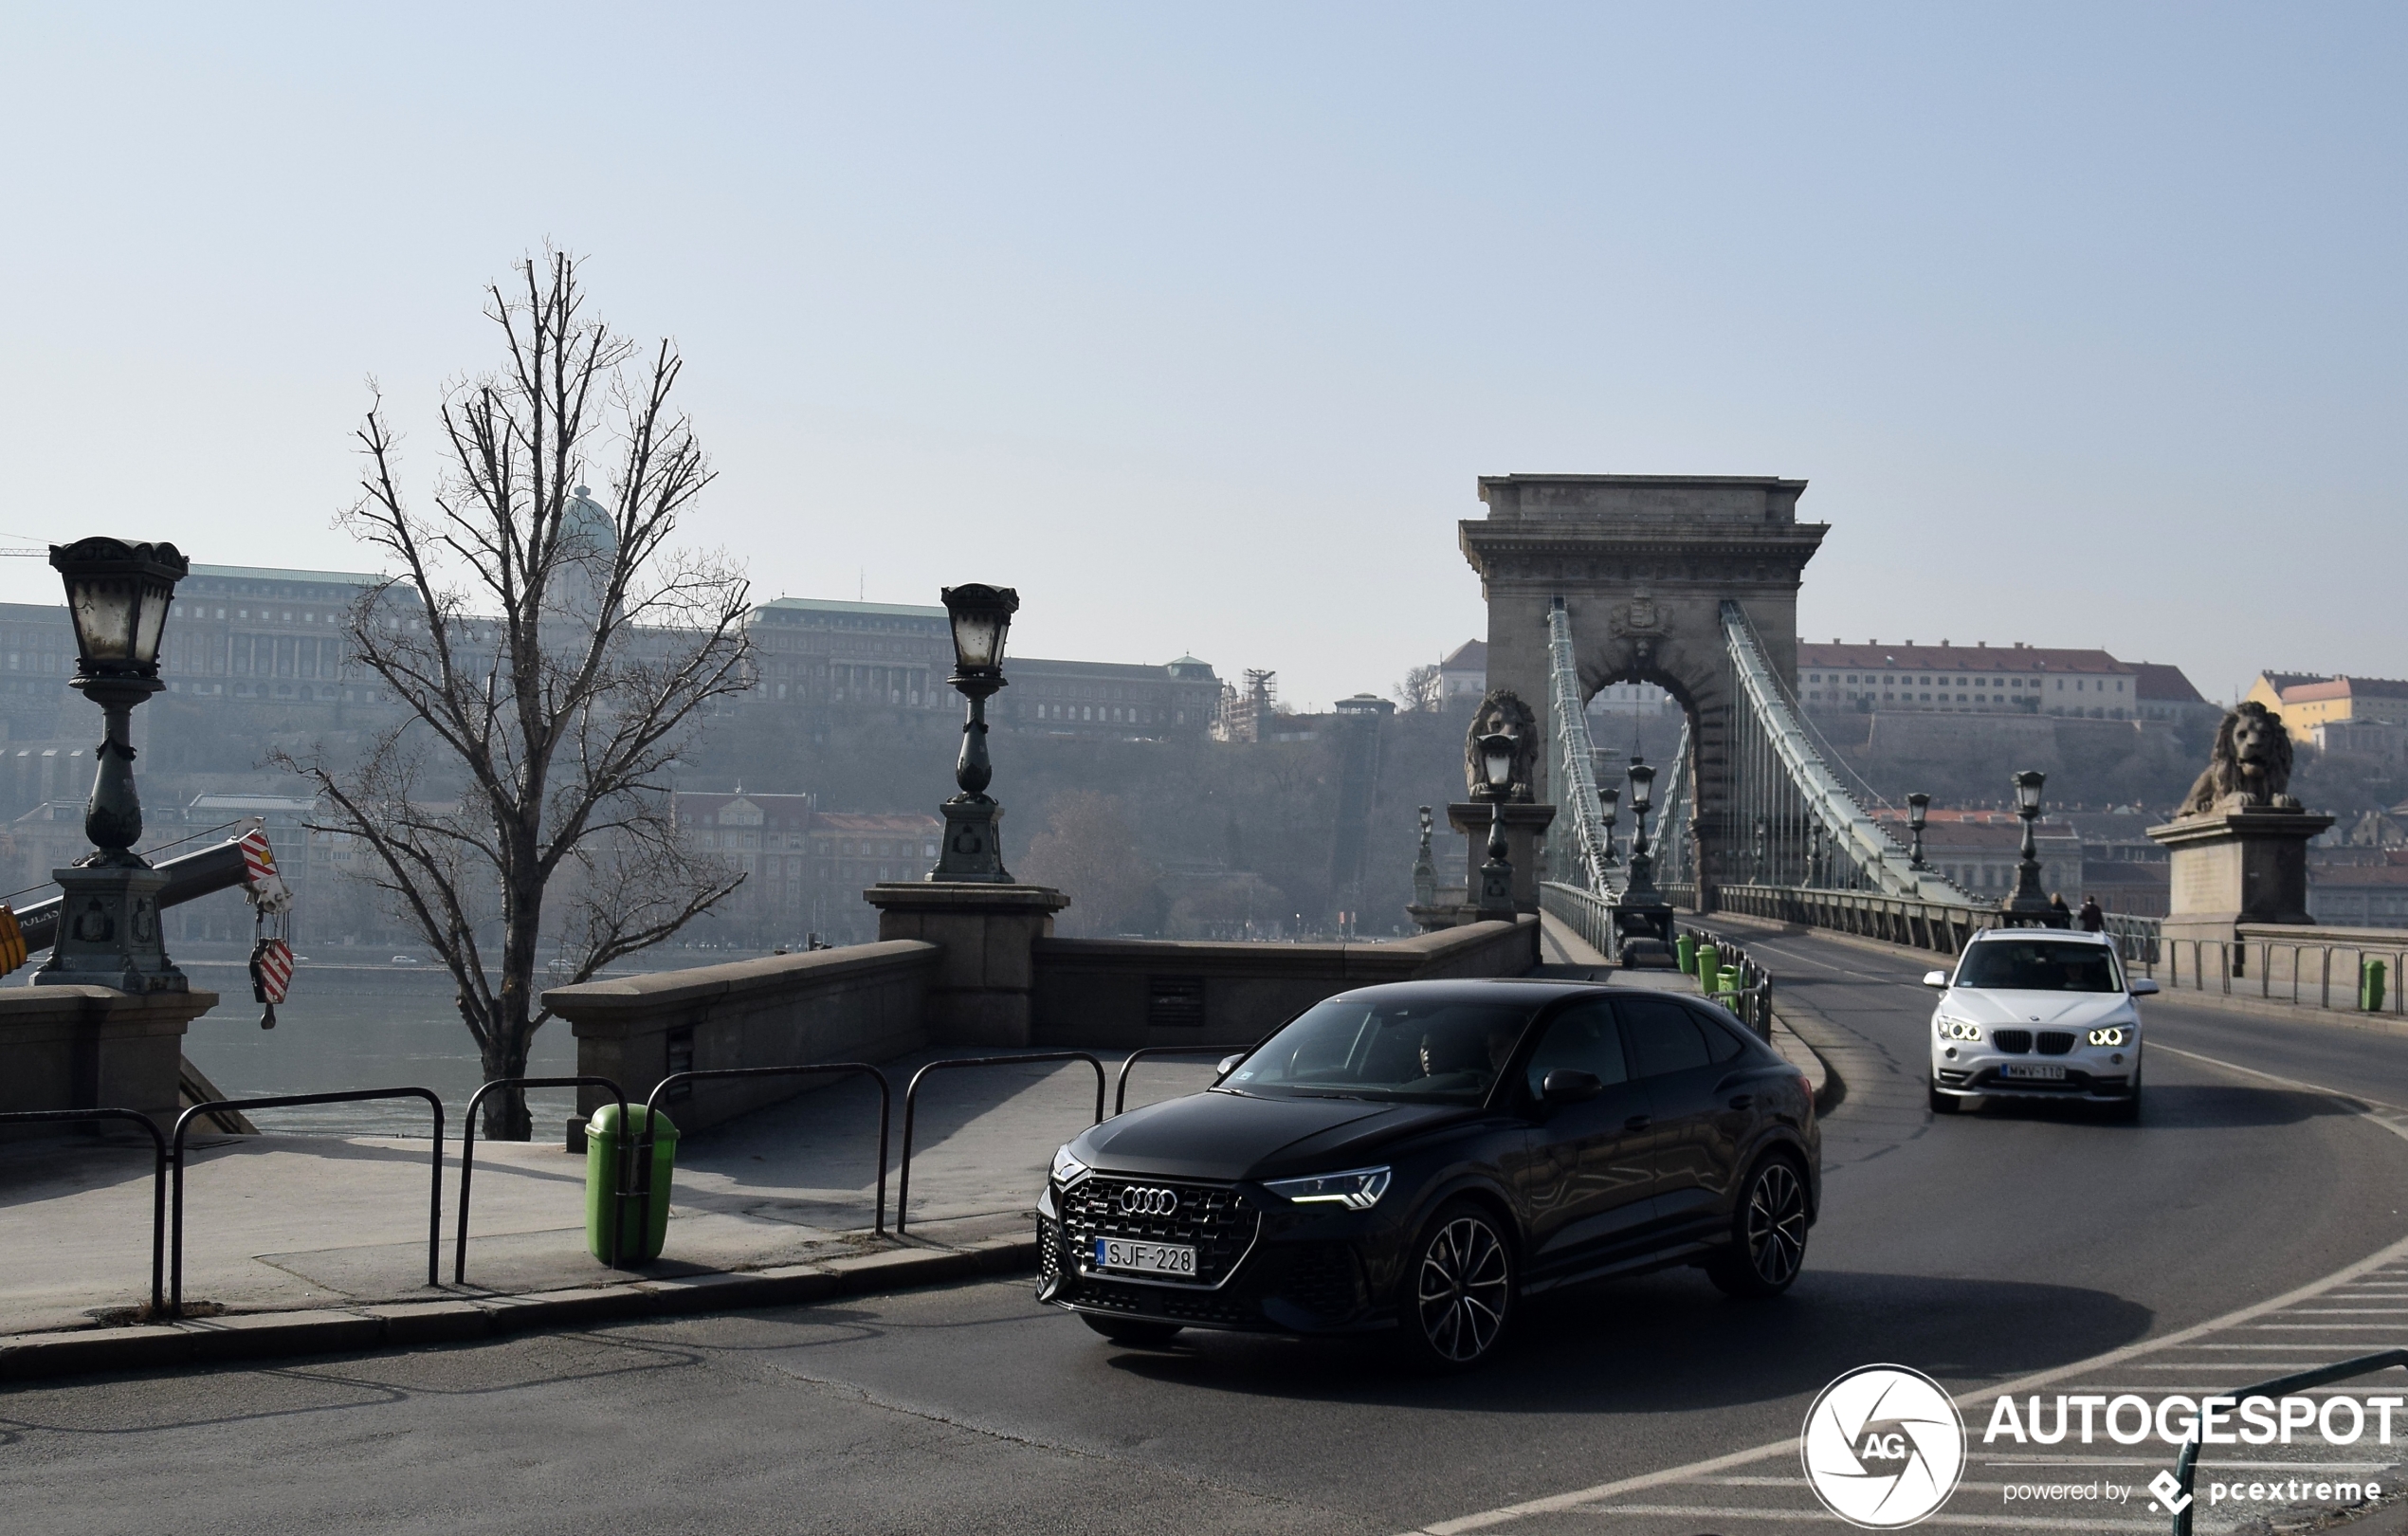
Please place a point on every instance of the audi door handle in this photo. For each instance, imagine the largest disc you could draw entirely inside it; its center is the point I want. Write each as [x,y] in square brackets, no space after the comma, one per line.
[1639,1123]
[1743,1101]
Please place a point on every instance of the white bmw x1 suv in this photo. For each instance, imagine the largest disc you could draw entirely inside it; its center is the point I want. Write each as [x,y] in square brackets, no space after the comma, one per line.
[2037,1014]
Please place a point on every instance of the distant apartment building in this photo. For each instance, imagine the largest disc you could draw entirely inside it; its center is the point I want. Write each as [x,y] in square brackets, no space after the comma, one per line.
[805,868]
[270,635]
[1978,679]
[2360,889]
[2362,715]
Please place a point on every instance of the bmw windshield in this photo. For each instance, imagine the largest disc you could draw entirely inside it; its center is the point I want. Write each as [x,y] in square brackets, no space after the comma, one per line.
[2038,965]
[1427,1051]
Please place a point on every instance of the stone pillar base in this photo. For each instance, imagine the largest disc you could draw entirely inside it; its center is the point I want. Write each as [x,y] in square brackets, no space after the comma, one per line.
[981,993]
[109,932]
[1524,824]
[2233,867]
[85,1047]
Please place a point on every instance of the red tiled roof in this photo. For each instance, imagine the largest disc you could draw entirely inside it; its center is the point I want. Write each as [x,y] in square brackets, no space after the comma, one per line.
[2155,680]
[2346,688]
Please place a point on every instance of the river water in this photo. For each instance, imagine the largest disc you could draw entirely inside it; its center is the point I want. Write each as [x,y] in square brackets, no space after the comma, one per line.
[343,1027]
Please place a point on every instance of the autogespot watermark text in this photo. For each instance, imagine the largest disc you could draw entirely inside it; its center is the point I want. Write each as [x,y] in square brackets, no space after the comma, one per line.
[2131,1419]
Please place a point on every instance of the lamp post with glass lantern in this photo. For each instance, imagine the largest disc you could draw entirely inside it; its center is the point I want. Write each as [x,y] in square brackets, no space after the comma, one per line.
[1918,806]
[2029,903]
[1640,911]
[973,847]
[1496,751]
[109,935]
[1612,798]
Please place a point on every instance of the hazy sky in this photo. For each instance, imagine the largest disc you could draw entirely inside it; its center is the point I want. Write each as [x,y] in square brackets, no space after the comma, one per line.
[1197,324]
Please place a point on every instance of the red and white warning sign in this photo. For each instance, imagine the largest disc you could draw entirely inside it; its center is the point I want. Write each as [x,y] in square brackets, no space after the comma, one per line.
[271,970]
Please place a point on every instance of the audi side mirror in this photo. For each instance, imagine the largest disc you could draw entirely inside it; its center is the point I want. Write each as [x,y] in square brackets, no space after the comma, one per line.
[1936,978]
[1569,1085]
[1228,1065]
[2143,987]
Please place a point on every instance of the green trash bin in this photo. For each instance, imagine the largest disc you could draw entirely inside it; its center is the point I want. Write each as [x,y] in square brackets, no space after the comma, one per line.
[2370,986]
[602,1139]
[1709,966]
[1684,950]
[1726,980]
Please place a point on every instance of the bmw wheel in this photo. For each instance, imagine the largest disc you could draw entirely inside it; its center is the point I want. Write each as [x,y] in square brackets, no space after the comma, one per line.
[1459,1289]
[1130,1331]
[1768,1234]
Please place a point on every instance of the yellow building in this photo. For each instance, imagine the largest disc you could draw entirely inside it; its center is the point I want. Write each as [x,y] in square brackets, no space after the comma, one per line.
[2306,702]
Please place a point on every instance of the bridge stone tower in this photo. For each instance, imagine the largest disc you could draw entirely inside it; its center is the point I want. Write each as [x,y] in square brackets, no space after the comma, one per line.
[1643,564]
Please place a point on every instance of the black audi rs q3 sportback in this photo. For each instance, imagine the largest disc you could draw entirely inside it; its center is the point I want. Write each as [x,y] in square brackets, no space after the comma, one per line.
[1419,1157]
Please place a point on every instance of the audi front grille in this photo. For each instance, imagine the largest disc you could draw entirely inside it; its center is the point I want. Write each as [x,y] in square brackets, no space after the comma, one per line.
[1214,1220]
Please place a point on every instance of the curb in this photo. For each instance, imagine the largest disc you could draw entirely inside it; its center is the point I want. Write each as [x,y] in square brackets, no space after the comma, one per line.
[1834,1089]
[157,1346]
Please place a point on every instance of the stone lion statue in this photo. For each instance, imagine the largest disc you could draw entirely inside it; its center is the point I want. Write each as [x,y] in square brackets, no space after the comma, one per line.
[1502,710]
[2251,767]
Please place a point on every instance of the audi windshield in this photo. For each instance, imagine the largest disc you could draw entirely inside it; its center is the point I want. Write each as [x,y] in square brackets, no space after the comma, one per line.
[1437,1052]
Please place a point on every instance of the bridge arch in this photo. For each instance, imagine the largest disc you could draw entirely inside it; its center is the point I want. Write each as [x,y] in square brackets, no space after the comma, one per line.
[1643,564]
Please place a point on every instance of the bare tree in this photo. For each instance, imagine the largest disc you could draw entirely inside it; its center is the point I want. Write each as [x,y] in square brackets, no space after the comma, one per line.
[552,652]
[1419,692]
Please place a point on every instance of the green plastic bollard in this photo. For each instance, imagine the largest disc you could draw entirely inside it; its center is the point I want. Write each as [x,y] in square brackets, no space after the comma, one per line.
[1709,966]
[2370,986]
[1685,951]
[602,1139]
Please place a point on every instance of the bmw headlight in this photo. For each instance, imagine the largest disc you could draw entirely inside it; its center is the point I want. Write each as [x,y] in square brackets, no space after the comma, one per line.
[1066,1168]
[1957,1028]
[1358,1190]
[2115,1034]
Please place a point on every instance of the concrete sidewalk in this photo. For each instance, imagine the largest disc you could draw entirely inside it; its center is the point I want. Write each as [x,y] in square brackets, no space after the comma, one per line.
[282,1223]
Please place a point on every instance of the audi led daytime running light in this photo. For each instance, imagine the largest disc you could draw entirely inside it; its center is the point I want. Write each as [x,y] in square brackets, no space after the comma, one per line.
[1358,1190]
[1957,1028]
[1066,1168]
[2112,1035]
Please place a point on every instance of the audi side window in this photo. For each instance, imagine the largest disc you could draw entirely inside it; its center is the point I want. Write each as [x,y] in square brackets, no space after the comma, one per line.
[1662,1038]
[1585,1040]
[1724,1037]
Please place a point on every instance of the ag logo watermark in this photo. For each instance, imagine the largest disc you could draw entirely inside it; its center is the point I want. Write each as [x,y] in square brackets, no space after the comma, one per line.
[1883,1446]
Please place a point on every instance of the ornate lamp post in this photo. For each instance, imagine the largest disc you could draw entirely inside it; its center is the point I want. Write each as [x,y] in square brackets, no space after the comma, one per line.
[117,596]
[1815,854]
[1759,851]
[1425,869]
[1641,888]
[1496,876]
[2029,903]
[1613,798]
[973,848]
[1918,806]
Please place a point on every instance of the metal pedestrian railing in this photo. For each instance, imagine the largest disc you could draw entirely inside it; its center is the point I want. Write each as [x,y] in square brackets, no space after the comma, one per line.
[468,1157]
[286,1100]
[1751,1001]
[2186,1463]
[911,1101]
[641,1142]
[1121,1080]
[158,1175]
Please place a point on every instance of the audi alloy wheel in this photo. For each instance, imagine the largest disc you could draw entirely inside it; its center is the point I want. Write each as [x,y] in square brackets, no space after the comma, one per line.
[1768,1237]
[1461,1289]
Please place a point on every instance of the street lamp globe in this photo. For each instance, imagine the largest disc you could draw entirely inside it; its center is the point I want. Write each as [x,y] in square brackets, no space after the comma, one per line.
[981,618]
[1918,807]
[1642,786]
[2027,792]
[117,596]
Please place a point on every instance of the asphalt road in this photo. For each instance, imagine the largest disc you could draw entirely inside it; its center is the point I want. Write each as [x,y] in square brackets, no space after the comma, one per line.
[1977,1248]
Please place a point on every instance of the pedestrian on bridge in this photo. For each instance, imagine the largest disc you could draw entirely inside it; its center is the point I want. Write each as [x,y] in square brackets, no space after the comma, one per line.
[2091,919]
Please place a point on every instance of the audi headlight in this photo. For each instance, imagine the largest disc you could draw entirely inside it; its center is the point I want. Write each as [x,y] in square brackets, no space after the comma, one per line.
[2115,1034]
[1066,1168]
[1957,1028]
[1358,1190]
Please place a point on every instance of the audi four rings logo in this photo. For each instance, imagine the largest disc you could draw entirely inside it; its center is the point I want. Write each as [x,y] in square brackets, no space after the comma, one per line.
[1135,1201]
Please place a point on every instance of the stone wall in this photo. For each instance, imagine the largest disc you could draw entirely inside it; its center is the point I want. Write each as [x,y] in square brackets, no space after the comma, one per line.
[81,1048]
[1121,993]
[864,1002]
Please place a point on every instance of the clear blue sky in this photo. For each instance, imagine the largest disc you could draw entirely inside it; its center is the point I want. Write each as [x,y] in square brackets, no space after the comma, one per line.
[1197,323]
